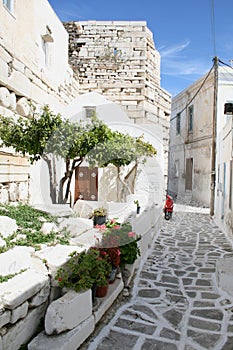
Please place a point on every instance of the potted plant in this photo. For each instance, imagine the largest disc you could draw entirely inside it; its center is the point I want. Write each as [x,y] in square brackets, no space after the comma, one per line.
[99,216]
[121,243]
[85,269]
[113,254]
[138,206]
[76,273]
[101,273]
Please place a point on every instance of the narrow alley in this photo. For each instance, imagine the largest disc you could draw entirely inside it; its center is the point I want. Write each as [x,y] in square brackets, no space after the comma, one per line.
[175,303]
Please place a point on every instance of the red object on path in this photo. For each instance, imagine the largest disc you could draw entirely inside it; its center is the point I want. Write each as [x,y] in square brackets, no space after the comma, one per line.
[168,207]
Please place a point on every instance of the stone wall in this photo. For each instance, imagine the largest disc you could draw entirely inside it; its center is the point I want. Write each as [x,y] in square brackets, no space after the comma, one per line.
[32,296]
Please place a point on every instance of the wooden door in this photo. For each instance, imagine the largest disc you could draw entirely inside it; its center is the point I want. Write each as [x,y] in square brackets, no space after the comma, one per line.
[86,184]
[189,174]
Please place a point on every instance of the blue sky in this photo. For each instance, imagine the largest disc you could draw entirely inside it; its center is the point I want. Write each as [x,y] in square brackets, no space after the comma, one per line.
[183,31]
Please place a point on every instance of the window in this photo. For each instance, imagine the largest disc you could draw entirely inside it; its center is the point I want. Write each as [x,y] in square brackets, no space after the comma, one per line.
[178,124]
[9,4]
[89,111]
[190,119]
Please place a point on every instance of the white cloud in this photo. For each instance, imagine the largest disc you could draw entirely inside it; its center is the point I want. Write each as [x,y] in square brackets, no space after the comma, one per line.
[172,51]
[187,67]
[176,62]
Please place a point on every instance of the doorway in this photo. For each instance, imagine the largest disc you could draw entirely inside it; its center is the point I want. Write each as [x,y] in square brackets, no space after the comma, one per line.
[86,184]
[189,174]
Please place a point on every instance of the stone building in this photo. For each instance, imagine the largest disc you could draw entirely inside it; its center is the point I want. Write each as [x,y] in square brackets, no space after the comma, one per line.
[193,157]
[29,66]
[191,141]
[118,59]
[115,59]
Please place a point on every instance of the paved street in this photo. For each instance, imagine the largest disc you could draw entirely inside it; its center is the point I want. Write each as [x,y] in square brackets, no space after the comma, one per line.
[175,303]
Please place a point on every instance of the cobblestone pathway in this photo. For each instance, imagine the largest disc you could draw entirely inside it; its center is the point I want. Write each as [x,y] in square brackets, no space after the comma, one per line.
[176,303]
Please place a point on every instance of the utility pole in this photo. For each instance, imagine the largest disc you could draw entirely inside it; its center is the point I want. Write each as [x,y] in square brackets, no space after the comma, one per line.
[214,132]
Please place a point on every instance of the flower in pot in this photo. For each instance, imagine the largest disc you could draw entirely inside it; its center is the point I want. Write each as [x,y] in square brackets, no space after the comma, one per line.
[85,269]
[101,272]
[121,242]
[113,254]
[76,273]
[99,216]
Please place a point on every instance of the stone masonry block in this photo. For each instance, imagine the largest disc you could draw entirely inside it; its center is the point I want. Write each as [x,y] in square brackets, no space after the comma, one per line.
[4,195]
[19,83]
[55,293]
[68,312]
[22,107]
[17,65]
[12,101]
[37,93]
[14,260]
[23,330]
[19,312]
[22,287]
[28,73]
[5,316]
[76,226]
[3,72]
[41,297]
[4,97]
[49,227]
[70,340]
[13,192]
[5,55]
[7,226]
[56,256]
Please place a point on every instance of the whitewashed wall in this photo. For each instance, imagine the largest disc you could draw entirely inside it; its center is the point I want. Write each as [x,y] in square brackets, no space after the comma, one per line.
[25,78]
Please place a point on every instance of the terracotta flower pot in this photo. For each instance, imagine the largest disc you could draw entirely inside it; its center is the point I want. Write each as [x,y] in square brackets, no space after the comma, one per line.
[101,291]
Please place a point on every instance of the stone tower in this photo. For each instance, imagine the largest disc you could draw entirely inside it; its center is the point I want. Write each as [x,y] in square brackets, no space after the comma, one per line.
[118,59]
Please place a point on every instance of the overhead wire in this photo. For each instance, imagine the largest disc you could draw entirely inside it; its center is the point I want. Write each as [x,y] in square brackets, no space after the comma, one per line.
[186,106]
[214,50]
[213,28]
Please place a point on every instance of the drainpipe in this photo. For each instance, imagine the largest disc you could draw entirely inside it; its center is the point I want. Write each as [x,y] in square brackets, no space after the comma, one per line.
[214,132]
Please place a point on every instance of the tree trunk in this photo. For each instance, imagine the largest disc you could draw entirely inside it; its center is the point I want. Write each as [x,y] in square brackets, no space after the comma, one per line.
[120,192]
[52,183]
[67,179]
[133,172]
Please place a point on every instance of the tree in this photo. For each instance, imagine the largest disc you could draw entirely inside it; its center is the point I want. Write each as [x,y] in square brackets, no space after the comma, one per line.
[46,136]
[121,150]
[30,136]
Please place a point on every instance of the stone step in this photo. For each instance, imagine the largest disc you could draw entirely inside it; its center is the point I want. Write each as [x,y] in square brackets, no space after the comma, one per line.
[73,338]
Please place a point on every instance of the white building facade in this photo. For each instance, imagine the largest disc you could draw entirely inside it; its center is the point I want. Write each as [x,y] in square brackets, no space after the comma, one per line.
[34,70]
[193,156]
[223,209]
